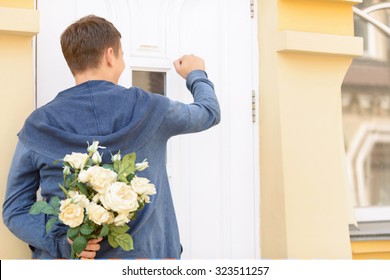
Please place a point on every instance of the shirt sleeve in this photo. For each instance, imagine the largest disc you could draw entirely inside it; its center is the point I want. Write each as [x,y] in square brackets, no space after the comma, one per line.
[200,115]
[21,193]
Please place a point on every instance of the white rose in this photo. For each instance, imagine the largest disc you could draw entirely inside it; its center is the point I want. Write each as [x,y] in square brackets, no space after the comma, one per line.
[76,160]
[64,203]
[66,170]
[94,147]
[142,187]
[120,198]
[116,157]
[96,198]
[79,199]
[121,219]
[131,215]
[71,214]
[83,176]
[100,178]
[97,213]
[96,158]
[111,218]
[141,166]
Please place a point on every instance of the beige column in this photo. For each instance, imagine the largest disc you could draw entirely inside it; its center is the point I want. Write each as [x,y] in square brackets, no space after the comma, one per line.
[306,48]
[18,24]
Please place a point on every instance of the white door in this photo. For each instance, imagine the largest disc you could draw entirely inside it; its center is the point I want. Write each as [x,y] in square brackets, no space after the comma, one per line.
[213,174]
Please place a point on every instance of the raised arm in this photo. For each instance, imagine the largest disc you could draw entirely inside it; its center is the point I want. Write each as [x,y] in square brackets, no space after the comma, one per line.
[204,112]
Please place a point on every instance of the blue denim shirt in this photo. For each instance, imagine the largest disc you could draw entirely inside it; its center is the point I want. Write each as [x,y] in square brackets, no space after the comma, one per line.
[129,120]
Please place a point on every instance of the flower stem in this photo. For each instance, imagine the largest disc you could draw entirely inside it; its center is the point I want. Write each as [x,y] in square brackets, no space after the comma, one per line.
[64,190]
[73,254]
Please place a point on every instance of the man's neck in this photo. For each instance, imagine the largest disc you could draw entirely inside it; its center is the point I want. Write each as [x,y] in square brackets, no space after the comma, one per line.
[91,75]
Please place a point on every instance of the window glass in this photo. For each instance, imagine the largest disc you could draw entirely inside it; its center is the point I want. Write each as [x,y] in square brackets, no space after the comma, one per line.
[366,113]
[150,81]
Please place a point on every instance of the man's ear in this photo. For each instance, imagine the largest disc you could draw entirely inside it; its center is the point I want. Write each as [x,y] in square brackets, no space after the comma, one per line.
[109,56]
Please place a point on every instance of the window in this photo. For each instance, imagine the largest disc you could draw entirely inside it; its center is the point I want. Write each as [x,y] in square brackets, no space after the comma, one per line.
[151,81]
[366,117]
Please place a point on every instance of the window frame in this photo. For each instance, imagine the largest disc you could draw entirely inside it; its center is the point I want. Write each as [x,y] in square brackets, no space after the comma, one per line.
[375,54]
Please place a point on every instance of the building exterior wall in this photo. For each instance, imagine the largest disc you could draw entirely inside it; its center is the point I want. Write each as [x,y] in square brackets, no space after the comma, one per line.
[372,249]
[22,4]
[304,55]
[18,25]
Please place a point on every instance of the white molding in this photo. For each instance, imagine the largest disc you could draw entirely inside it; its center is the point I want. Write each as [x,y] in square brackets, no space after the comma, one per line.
[155,63]
[339,1]
[319,43]
[256,128]
[24,22]
[372,214]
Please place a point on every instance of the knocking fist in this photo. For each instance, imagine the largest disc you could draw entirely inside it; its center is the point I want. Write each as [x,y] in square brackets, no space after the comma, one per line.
[188,63]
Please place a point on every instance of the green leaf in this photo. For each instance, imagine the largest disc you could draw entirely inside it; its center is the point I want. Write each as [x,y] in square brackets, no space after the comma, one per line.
[83,188]
[68,181]
[125,241]
[104,231]
[112,241]
[89,162]
[116,166]
[130,177]
[37,207]
[50,223]
[86,229]
[72,233]
[126,167]
[42,207]
[109,166]
[116,230]
[49,210]
[72,178]
[79,244]
[130,157]
[55,202]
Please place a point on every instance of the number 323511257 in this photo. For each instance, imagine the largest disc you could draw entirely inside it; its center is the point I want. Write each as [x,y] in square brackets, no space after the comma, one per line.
[236,270]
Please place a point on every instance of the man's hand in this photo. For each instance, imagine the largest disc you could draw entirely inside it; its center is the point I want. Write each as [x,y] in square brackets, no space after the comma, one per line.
[90,251]
[188,63]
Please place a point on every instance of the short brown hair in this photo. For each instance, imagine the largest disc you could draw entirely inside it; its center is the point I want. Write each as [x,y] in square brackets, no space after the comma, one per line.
[84,42]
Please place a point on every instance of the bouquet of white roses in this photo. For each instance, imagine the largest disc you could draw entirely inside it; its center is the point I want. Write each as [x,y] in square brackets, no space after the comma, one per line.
[100,199]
